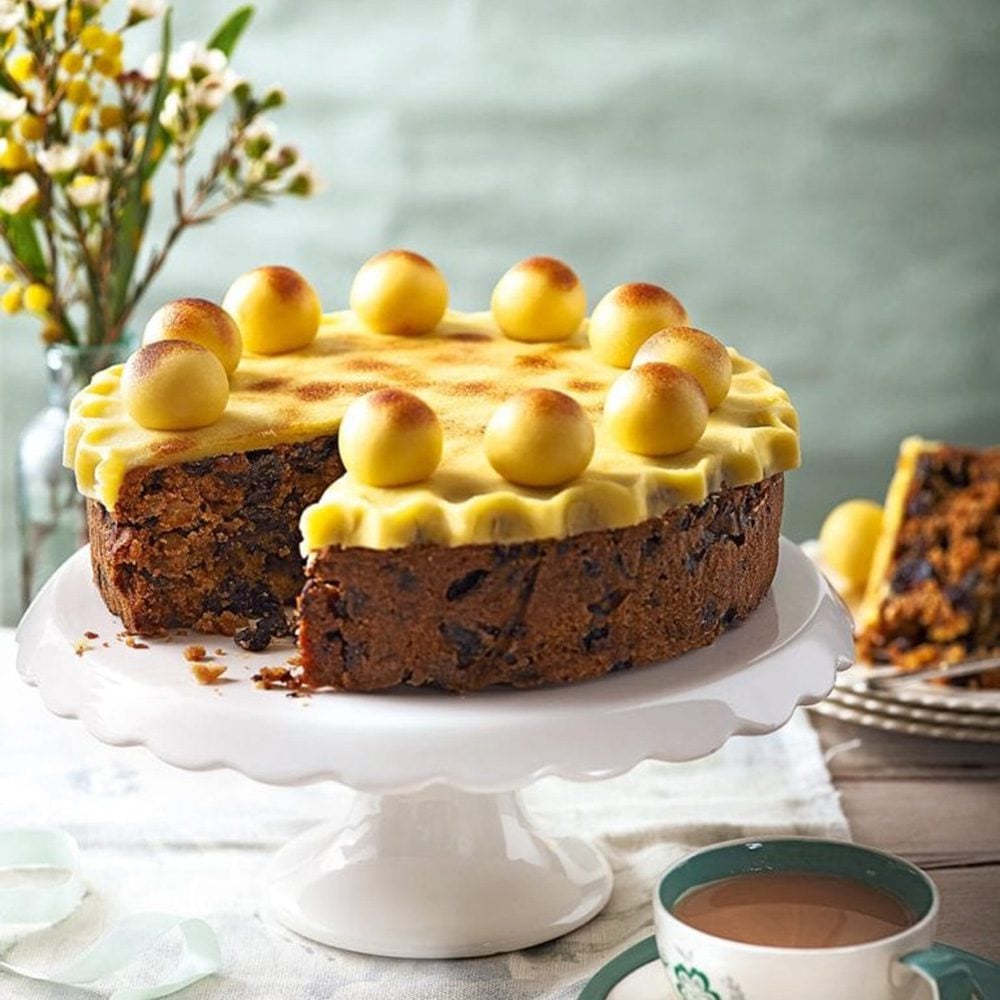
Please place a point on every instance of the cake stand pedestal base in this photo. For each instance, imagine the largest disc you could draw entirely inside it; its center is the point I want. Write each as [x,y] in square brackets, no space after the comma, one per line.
[438,873]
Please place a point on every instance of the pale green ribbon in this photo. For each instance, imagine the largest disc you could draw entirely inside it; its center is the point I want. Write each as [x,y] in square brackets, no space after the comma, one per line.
[126,941]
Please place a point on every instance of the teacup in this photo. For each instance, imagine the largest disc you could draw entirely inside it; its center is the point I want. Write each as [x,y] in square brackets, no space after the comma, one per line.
[702,966]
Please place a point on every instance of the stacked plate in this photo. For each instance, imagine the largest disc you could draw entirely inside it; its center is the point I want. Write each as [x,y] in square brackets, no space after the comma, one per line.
[919,708]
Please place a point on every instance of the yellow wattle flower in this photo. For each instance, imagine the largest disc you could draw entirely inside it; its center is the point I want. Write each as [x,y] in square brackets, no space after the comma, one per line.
[78,91]
[74,20]
[81,120]
[51,333]
[92,38]
[102,147]
[113,44]
[14,157]
[37,298]
[109,116]
[7,273]
[71,62]
[109,66]
[31,128]
[21,67]
[10,301]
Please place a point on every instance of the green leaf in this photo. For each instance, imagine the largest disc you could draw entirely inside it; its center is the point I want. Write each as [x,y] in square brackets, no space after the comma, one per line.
[135,213]
[228,33]
[20,233]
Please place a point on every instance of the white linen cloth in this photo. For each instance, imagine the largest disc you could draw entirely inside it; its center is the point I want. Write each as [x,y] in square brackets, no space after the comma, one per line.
[156,838]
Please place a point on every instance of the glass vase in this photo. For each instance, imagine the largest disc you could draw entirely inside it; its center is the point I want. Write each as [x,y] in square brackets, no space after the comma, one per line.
[51,513]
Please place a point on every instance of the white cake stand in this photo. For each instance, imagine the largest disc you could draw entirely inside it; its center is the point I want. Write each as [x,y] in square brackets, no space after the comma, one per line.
[436,858]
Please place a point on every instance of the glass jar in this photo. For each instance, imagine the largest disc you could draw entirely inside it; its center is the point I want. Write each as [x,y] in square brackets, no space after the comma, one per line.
[51,514]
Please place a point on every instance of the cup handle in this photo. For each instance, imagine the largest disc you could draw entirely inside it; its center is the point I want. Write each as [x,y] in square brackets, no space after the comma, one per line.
[956,974]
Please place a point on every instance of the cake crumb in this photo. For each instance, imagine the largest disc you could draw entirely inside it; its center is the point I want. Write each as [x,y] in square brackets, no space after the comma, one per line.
[91,635]
[192,653]
[275,677]
[133,642]
[207,673]
[219,652]
[81,646]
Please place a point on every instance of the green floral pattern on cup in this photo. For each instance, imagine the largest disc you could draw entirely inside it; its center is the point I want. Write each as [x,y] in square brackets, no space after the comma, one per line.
[693,984]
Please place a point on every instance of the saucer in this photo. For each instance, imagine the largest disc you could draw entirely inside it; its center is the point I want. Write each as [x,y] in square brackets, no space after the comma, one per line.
[636,974]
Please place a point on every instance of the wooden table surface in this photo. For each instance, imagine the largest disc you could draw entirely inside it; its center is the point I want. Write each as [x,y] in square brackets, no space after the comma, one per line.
[936,803]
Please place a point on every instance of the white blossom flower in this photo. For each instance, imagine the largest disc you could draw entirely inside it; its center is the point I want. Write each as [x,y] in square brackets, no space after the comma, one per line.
[11,107]
[209,93]
[49,5]
[59,160]
[192,59]
[142,10]
[175,116]
[19,194]
[152,65]
[11,15]
[87,191]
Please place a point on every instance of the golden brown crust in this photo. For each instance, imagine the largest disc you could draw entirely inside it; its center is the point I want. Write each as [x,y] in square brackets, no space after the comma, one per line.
[550,611]
[560,275]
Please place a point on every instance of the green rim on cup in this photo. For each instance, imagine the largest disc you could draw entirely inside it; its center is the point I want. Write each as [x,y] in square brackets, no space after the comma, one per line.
[828,857]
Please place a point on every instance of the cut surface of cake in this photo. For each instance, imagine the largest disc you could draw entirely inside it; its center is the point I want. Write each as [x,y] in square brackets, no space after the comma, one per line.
[441,544]
[933,593]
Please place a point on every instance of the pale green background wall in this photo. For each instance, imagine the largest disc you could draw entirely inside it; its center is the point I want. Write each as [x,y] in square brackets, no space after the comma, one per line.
[820,183]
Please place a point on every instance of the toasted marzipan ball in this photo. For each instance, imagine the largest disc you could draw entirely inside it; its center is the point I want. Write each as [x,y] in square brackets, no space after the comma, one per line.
[847,539]
[201,322]
[627,316]
[174,385]
[656,409]
[539,299]
[696,352]
[539,437]
[390,437]
[275,308]
[399,292]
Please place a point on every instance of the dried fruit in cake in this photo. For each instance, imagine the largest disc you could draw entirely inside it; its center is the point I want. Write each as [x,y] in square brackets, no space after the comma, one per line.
[390,437]
[696,352]
[275,308]
[656,409]
[174,385]
[933,595]
[201,322]
[627,317]
[399,292]
[539,299]
[847,539]
[540,438]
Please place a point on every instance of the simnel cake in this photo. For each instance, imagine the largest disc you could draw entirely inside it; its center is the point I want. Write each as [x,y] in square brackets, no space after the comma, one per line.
[923,573]
[933,591]
[517,496]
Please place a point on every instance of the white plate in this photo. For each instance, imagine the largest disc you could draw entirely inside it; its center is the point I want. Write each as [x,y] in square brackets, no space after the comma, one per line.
[883,703]
[920,694]
[901,723]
